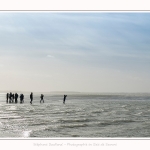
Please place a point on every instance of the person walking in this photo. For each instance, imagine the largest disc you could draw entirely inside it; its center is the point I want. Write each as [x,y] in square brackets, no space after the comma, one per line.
[42,96]
[31,97]
[7,97]
[10,97]
[20,98]
[64,98]
[16,98]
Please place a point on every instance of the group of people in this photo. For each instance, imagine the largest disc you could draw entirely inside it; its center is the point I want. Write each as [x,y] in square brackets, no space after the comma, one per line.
[11,98]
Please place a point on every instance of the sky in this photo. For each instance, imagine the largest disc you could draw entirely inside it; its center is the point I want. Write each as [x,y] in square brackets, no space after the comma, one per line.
[75,51]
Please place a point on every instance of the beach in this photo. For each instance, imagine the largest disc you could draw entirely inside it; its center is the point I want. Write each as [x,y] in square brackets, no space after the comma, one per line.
[106,115]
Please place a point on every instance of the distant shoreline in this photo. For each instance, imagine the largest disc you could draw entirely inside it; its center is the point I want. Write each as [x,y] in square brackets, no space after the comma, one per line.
[80,93]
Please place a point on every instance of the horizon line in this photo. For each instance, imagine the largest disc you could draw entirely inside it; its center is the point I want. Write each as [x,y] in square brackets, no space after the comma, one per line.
[73,92]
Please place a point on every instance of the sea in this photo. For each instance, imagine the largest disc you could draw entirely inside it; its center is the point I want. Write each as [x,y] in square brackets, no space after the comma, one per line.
[83,115]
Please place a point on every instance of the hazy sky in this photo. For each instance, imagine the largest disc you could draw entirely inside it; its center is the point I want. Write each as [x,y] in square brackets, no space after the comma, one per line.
[75,51]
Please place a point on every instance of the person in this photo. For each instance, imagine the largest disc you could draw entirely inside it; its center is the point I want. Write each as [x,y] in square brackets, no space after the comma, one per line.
[13,97]
[10,97]
[16,97]
[64,98]
[7,97]
[22,98]
[42,96]
[31,97]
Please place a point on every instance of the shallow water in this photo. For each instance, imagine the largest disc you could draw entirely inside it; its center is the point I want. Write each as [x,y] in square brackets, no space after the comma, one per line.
[122,115]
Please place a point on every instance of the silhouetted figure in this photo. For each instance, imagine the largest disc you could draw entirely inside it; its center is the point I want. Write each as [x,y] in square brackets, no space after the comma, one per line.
[21,98]
[13,98]
[10,97]
[7,97]
[31,97]
[42,96]
[64,98]
[16,98]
